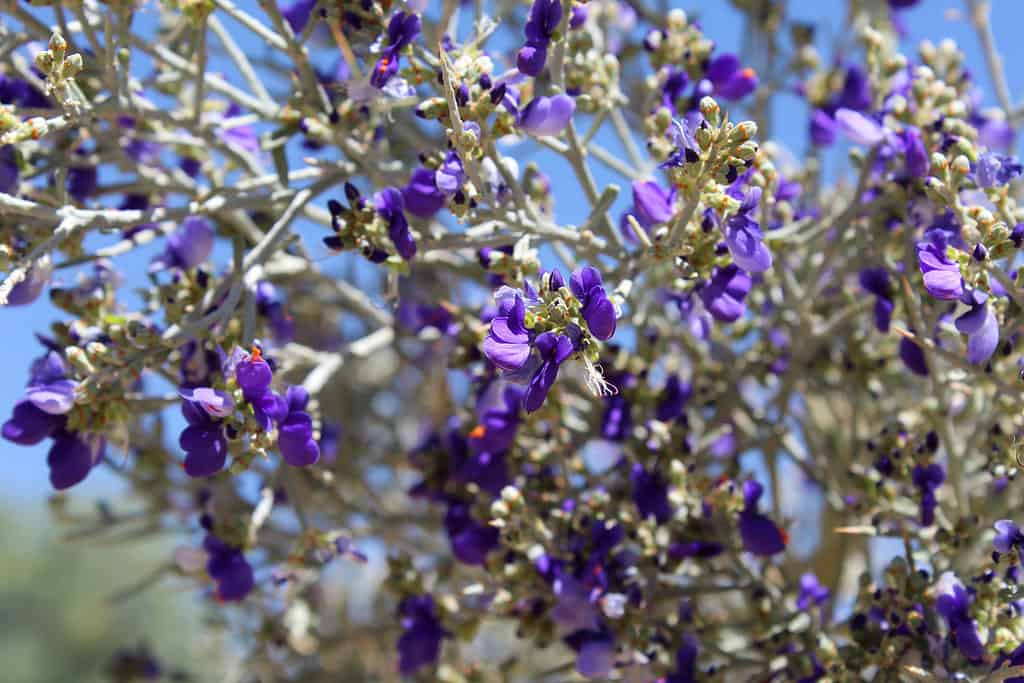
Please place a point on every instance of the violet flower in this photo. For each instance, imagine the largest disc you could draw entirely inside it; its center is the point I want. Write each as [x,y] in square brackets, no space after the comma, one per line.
[811,591]
[876,281]
[420,643]
[652,204]
[389,204]
[672,399]
[8,169]
[723,295]
[728,78]
[545,16]
[1008,536]
[760,535]
[71,458]
[554,350]
[295,435]
[859,128]
[650,494]
[403,28]
[598,309]
[471,540]
[743,236]
[953,603]
[203,440]
[508,343]
[229,569]
[928,478]
[186,247]
[942,276]
[547,115]
[980,326]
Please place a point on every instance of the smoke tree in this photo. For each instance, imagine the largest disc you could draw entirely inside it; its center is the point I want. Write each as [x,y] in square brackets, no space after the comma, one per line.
[525,298]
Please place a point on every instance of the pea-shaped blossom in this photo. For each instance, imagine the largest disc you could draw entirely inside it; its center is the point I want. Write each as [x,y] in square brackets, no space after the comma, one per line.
[996,170]
[547,115]
[953,603]
[554,350]
[723,295]
[229,569]
[186,247]
[29,289]
[941,275]
[598,309]
[402,30]
[743,236]
[203,440]
[876,281]
[295,435]
[390,205]
[980,326]
[652,204]
[729,78]
[420,643]
[508,344]
[812,592]
[545,16]
[861,129]
[650,494]
[760,535]
[1008,536]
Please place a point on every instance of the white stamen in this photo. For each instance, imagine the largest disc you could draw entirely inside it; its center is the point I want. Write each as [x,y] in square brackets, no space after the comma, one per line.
[595,381]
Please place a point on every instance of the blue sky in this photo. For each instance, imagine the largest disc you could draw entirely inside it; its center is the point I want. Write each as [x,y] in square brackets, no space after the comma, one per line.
[23,473]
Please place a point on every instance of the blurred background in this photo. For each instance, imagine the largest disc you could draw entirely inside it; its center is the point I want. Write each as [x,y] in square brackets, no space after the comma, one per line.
[69,599]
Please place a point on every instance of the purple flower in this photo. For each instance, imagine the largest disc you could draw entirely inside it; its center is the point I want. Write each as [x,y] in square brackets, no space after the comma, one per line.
[71,458]
[295,435]
[650,494]
[598,309]
[915,152]
[203,440]
[389,204]
[743,236]
[499,419]
[823,128]
[673,399]
[859,128]
[450,177]
[545,16]
[942,276]
[617,421]
[913,357]
[554,350]
[724,293]
[980,326]
[508,343]
[214,402]
[954,603]
[186,247]
[1008,536]
[471,541]
[811,591]
[928,478]
[996,170]
[729,79]
[420,642]
[297,14]
[29,289]
[421,196]
[253,375]
[81,182]
[547,115]
[229,569]
[652,204]
[402,30]
[759,534]
[876,281]
[242,136]
[29,425]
